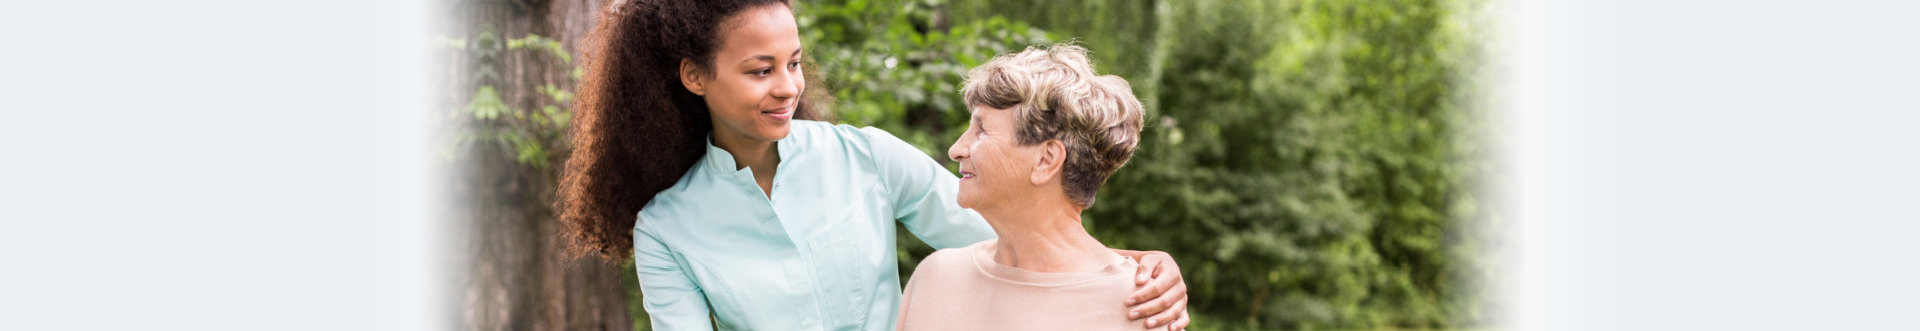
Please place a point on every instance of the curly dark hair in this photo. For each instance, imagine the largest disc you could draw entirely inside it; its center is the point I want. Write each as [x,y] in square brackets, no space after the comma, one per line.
[636,129]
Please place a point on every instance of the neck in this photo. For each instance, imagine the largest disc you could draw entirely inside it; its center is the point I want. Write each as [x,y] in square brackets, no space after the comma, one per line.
[762,156]
[1045,235]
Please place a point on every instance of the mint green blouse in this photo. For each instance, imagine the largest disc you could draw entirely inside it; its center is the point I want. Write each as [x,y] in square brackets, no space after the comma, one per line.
[818,255]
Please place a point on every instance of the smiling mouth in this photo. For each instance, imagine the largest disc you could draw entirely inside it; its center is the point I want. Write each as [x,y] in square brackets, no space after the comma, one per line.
[966,175]
[778,115]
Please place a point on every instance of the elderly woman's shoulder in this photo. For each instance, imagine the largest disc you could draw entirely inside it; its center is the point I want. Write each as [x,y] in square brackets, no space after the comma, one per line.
[949,260]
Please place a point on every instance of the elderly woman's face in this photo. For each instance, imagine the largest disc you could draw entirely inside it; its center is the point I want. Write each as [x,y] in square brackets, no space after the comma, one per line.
[993,165]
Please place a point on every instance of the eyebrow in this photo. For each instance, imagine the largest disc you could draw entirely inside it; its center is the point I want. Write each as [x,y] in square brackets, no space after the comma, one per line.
[769,58]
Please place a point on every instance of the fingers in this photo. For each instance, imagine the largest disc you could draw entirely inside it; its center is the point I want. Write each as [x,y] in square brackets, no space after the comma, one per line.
[1162,296]
[1180,324]
[1154,269]
[1160,306]
[1167,268]
[1149,268]
[1156,288]
[1176,309]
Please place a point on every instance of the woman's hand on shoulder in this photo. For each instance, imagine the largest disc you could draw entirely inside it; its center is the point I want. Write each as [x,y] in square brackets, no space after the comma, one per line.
[1162,295]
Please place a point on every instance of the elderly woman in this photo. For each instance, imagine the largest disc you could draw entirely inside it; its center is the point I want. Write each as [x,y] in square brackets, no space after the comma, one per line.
[1046,132]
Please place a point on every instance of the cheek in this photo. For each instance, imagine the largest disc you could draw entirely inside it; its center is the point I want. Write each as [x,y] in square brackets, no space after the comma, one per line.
[800,78]
[1004,162]
[738,94]
[751,94]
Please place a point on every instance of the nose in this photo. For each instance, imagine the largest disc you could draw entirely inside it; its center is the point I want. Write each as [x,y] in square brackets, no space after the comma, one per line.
[959,150]
[787,88]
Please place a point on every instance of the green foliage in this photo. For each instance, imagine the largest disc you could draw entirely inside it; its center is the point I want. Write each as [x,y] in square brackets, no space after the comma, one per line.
[1124,30]
[536,42]
[898,64]
[532,135]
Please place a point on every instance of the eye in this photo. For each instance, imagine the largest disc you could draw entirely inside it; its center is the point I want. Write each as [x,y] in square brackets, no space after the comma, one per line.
[795,65]
[762,72]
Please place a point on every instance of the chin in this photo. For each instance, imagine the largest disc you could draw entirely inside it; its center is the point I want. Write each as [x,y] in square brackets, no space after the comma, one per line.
[775,131]
[964,201]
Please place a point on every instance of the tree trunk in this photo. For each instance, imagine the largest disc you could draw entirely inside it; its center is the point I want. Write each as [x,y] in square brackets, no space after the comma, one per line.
[511,272]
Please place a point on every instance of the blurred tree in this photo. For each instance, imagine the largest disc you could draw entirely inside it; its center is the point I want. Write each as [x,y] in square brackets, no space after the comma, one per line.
[510,72]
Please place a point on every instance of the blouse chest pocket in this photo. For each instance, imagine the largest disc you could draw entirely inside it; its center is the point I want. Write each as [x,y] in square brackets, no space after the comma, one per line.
[840,262]
[843,243]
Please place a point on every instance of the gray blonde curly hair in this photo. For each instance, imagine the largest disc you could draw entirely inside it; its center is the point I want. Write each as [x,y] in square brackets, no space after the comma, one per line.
[1054,94]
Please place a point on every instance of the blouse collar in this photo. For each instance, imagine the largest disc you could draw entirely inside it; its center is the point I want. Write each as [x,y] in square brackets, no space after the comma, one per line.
[721,161]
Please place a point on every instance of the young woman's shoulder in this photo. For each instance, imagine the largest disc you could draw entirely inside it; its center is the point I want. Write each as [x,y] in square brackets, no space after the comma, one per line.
[866,142]
[672,203]
[826,132]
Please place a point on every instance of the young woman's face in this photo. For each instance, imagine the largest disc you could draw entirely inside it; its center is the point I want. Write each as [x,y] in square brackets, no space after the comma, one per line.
[756,80]
[993,165]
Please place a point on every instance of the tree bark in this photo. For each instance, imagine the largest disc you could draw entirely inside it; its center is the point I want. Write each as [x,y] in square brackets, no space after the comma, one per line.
[511,272]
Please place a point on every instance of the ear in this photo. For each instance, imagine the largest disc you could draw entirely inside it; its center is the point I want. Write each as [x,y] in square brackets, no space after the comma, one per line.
[1053,158]
[691,77]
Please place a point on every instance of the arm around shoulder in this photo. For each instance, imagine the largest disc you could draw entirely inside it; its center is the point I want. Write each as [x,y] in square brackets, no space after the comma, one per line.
[923,193]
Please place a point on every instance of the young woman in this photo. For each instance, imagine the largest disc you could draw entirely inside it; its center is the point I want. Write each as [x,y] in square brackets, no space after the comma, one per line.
[694,118]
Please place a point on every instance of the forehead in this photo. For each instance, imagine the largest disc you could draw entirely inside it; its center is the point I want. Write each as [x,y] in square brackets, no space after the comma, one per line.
[988,113]
[763,30]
